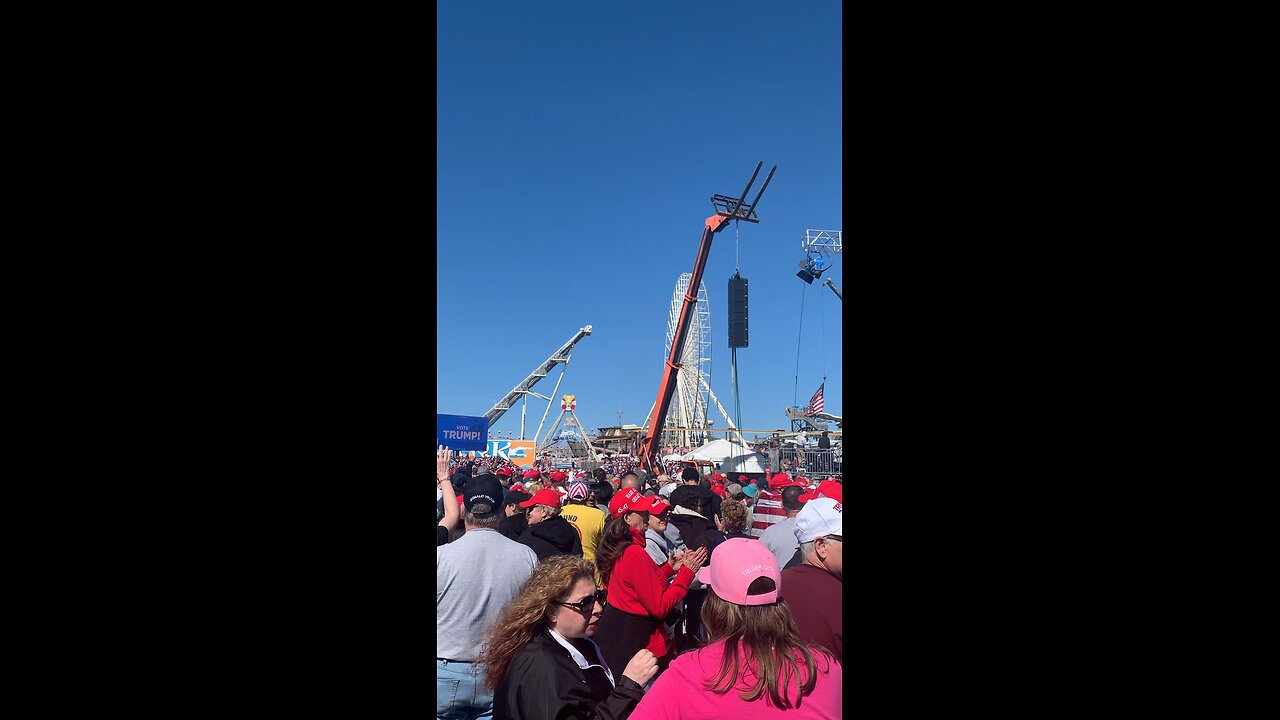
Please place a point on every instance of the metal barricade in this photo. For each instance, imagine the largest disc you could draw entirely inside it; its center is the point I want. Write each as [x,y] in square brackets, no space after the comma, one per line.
[813,461]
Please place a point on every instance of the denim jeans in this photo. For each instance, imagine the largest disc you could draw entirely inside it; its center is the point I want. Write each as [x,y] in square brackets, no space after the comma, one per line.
[460,694]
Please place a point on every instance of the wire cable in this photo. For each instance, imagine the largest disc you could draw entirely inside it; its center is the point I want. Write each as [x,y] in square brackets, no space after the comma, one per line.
[822,319]
[795,393]
[737,409]
[736,233]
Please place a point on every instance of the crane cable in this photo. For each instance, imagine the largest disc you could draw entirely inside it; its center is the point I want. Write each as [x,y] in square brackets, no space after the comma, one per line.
[733,368]
[822,320]
[796,392]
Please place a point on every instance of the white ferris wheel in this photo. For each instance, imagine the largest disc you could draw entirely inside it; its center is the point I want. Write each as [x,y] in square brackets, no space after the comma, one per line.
[689,406]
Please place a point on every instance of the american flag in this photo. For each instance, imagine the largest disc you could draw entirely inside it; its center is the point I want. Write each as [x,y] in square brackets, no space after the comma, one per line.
[815,402]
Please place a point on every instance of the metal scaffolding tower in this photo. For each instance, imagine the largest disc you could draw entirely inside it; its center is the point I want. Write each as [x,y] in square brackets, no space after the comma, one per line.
[821,241]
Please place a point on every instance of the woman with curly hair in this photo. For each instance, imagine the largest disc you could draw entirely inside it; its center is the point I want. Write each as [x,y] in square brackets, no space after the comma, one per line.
[756,665]
[736,520]
[541,661]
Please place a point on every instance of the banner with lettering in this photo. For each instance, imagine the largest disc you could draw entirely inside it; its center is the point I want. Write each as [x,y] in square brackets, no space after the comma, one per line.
[519,452]
[462,432]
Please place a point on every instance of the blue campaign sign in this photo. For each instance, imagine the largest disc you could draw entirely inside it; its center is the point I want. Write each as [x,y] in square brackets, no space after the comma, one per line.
[462,432]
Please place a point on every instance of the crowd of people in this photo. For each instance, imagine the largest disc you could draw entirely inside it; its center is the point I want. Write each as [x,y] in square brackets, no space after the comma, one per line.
[616,594]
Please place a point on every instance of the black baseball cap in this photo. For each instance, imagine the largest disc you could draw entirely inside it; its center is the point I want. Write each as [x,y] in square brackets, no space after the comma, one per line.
[483,490]
[515,496]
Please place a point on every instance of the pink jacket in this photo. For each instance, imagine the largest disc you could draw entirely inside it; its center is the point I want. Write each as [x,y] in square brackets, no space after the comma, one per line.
[681,692]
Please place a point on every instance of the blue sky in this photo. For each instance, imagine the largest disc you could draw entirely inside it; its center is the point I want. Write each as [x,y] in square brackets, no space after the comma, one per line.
[579,144]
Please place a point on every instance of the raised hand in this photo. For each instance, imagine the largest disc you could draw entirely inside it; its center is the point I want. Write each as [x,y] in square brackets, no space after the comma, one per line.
[443,455]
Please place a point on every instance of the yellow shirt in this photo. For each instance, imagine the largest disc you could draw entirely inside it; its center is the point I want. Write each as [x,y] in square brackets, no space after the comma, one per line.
[589,520]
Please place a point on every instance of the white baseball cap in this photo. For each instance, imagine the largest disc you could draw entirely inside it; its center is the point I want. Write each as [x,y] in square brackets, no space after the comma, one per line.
[817,518]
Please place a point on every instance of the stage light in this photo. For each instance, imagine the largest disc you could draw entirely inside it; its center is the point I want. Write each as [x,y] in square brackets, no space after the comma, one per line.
[812,267]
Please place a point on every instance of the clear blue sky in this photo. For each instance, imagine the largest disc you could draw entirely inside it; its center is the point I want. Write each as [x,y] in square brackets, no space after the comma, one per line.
[579,144]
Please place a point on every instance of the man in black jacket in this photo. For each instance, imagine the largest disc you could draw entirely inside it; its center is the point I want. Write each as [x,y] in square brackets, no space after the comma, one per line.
[691,482]
[515,522]
[697,529]
[548,533]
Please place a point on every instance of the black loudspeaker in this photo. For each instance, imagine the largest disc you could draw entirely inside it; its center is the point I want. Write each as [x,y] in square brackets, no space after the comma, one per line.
[737,312]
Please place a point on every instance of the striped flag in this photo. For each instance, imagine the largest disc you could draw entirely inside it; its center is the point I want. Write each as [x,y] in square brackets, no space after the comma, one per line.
[815,402]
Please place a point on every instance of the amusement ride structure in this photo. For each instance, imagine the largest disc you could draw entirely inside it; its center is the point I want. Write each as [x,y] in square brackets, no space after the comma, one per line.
[578,441]
[523,389]
[694,376]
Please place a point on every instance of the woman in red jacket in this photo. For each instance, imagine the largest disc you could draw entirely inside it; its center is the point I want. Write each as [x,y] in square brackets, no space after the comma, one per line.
[638,593]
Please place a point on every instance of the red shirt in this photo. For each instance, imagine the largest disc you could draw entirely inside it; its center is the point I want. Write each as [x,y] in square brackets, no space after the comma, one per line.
[639,587]
[814,596]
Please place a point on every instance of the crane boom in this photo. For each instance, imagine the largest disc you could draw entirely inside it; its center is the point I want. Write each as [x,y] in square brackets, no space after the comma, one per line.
[834,289]
[559,356]
[727,208]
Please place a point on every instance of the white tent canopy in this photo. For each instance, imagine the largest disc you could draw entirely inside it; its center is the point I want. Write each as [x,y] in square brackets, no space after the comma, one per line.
[716,451]
[730,457]
[753,463]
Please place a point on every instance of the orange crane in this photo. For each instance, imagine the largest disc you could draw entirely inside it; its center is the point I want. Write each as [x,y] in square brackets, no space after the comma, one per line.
[726,209]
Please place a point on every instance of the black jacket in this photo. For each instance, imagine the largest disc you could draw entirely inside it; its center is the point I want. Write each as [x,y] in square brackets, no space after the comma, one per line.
[553,536]
[514,526]
[696,531]
[544,683]
[710,500]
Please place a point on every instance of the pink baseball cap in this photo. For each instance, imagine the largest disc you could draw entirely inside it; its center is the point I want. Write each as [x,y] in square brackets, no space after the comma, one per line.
[737,563]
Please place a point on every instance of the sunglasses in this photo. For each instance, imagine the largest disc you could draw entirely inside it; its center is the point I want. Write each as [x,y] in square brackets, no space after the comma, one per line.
[586,605]
[834,537]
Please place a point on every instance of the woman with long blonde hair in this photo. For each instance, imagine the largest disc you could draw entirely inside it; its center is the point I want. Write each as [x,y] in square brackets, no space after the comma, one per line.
[755,664]
[541,661]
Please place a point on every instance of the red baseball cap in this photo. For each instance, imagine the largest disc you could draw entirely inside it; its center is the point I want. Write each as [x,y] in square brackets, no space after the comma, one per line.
[829,488]
[782,480]
[658,507]
[532,473]
[628,500]
[558,476]
[545,496]
[504,471]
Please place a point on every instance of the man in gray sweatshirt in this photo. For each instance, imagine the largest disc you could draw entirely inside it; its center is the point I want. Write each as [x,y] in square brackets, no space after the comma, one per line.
[477,576]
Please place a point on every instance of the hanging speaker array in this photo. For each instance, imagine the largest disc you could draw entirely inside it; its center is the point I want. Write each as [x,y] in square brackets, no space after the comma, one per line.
[737,312]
